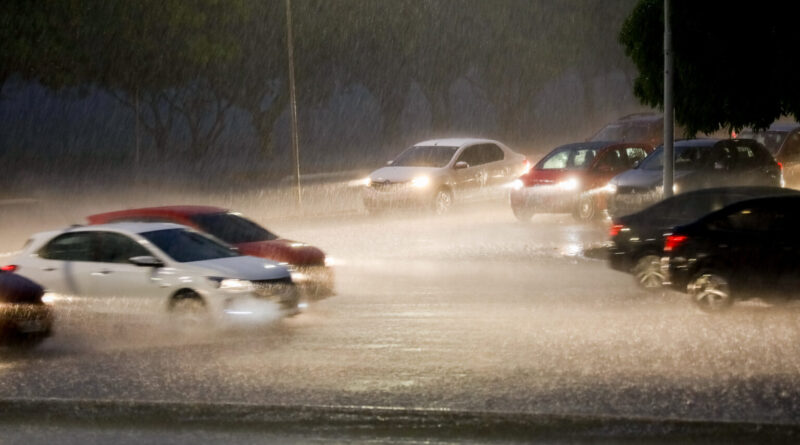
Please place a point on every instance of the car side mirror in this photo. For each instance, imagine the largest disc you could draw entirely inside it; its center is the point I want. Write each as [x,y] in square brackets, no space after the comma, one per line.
[146,261]
[460,164]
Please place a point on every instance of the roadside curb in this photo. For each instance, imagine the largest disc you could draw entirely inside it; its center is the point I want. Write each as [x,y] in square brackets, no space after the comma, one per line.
[380,420]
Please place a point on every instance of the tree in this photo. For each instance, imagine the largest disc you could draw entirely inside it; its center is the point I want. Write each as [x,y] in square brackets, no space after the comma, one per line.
[733,67]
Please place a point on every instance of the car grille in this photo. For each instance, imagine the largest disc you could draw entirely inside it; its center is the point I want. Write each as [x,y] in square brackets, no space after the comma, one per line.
[387,186]
[281,291]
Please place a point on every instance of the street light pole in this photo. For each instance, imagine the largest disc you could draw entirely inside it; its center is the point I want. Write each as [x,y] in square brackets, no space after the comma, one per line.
[293,103]
[669,156]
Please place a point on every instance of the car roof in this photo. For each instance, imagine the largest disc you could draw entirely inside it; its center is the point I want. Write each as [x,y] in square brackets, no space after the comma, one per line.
[178,210]
[700,142]
[456,142]
[649,117]
[594,145]
[131,227]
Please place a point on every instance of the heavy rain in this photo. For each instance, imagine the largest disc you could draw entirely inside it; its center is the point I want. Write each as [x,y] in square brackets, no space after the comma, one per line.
[440,246]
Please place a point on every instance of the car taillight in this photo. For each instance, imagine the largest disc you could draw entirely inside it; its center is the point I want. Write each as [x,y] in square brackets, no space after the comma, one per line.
[9,268]
[674,241]
[615,229]
[780,165]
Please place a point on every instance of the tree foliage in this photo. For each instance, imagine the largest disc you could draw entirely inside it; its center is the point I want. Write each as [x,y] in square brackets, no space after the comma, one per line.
[734,67]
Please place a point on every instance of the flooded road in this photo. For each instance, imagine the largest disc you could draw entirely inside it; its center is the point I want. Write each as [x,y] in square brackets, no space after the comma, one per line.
[471,311]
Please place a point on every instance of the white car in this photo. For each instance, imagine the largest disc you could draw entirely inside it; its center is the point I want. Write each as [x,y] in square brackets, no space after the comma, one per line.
[434,173]
[155,267]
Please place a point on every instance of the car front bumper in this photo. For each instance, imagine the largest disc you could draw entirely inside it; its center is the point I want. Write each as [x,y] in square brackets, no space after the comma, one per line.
[314,282]
[20,319]
[397,196]
[545,199]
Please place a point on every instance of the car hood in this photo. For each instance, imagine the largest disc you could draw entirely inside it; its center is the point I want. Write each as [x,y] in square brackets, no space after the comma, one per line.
[284,251]
[401,174]
[645,178]
[244,267]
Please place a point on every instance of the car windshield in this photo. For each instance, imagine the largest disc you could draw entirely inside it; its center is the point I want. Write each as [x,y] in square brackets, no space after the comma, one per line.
[772,140]
[572,157]
[185,246]
[425,156]
[687,157]
[232,228]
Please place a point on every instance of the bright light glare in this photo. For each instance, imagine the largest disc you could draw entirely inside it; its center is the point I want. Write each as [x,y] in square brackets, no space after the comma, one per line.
[331,261]
[517,184]
[365,182]
[610,188]
[675,189]
[302,305]
[298,244]
[421,181]
[49,298]
[569,184]
[234,284]
[299,277]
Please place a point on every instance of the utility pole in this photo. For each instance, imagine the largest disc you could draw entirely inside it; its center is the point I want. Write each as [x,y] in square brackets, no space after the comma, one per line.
[293,103]
[669,151]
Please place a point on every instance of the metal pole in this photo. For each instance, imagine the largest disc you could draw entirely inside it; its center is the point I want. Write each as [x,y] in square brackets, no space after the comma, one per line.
[293,102]
[669,156]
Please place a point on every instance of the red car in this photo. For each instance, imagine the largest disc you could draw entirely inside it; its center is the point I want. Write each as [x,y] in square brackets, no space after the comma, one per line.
[310,273]
[573,178]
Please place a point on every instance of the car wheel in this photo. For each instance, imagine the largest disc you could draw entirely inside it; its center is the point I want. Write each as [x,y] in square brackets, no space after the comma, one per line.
[586,210]
[189,309]
[442,202]
[523,213]
[647,272]
[710,291]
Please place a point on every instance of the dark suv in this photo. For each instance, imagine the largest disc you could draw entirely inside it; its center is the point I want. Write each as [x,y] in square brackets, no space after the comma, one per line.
[748,249]
[783,141]
[699,164]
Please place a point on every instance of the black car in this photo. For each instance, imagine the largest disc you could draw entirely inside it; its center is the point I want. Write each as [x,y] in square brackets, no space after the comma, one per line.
[699,164]
[747,249]
[24,318]
[637,240]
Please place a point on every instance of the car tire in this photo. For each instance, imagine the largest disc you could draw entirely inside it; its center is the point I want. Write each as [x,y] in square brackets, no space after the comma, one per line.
[523,213]
[647,272]
[710,291]
[586,210]
[442,201]
[188,309]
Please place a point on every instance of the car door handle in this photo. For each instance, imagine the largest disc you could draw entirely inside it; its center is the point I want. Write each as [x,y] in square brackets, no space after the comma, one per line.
[49,269]
[101,272]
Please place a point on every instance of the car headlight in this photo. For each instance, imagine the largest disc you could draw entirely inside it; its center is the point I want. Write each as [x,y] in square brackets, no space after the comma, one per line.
[610,188]
[231,284]
[675,189]
[569,184]
[421,181]
[517,184]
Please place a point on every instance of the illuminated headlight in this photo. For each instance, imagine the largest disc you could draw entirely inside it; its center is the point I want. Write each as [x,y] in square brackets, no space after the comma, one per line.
[331,261]
[49,298]
[675,189]
[231,284]
[517,184]
[569,184]
[610,188]
[421,181]
[366,182]
[299,277]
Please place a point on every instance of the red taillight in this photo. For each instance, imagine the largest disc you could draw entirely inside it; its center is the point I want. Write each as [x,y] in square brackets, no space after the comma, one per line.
[780,165]
[615,229]
[9,268]
[673,241]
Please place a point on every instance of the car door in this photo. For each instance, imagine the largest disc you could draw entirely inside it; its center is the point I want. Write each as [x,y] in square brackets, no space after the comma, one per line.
[609,164]
[114,276]
[498,171]
[471,179]
[63,264]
